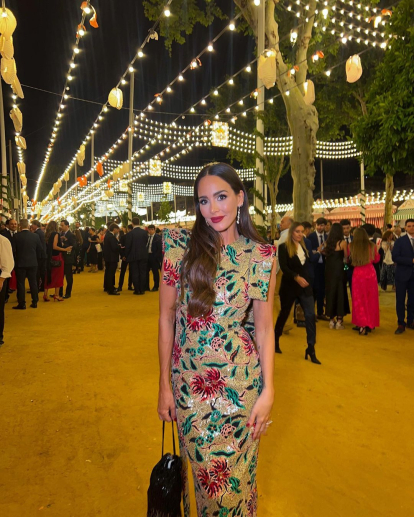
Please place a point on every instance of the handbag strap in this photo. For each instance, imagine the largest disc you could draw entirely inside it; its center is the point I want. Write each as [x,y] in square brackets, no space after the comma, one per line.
[173,437]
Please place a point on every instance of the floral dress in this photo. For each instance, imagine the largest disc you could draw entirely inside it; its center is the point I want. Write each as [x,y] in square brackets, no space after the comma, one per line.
[217,378]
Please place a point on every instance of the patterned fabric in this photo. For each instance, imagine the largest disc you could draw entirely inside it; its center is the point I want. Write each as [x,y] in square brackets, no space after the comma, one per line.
[216,377]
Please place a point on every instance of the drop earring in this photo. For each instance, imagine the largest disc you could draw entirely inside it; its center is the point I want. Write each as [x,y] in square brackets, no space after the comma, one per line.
[207,222]
[238,215]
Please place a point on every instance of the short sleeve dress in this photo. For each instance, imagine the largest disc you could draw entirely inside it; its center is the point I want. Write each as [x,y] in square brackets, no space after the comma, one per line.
[217,378]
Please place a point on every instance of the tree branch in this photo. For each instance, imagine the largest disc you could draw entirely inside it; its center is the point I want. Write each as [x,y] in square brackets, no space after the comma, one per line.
[304,37]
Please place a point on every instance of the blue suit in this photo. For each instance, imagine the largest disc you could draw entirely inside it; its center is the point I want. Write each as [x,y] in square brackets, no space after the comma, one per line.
[403,256]
[319,270]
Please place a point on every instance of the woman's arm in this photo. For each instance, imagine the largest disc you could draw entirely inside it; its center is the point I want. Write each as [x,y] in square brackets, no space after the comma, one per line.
[166,327]
[265,341]
[55,244]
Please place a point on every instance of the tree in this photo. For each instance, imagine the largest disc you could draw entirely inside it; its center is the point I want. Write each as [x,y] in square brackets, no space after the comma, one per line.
[165,210]
[385,134]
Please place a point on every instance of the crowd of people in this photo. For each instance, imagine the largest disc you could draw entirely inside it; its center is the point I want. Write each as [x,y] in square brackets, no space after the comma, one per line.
[316,265]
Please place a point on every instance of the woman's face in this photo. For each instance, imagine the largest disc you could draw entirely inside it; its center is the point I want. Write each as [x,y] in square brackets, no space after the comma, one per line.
[297,234]
[218,202]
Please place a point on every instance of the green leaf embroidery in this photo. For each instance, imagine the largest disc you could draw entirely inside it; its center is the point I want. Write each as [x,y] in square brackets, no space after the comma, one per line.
[188,423]
[233,396]
[235,485]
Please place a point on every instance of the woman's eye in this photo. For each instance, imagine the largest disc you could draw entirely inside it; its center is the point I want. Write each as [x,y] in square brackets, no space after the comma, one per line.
[221,197]
[203,201]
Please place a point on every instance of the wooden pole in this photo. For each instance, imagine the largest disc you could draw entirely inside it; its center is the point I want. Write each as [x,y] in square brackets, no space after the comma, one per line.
[93,176]
[130,144]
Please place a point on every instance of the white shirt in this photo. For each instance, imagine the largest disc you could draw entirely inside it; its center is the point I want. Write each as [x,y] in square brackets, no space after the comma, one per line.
[387,247]
[301,254]
[282,239]
[149,245]
[319,235]
[6,257]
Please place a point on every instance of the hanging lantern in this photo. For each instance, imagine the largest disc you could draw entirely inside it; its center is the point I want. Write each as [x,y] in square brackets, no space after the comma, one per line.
[266,69]
[353,69]
[8,70]
[309,88]
[20,142]
[122,202]
[23,179]
[116,173]
[123,186]
[80,156]
[66,176]
[124,169]
[17,119]
[220,134]
[6,47]
[140,197]
[8,23]
[84,180]
[167,187]
[116,98]
[21,168]
[155,168]
[80,181]
[17,88]
[59,183]
[99,169]
[109,193]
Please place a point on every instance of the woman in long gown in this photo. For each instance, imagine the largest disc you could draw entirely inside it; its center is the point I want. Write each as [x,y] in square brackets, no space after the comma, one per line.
[54,274]
[337,303]
[365,301]
[222,381]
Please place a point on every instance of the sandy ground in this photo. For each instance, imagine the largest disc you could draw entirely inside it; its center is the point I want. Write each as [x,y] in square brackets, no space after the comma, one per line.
[80,433]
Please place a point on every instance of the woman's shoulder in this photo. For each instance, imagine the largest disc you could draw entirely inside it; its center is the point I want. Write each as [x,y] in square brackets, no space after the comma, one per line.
[175,238]
[261,249]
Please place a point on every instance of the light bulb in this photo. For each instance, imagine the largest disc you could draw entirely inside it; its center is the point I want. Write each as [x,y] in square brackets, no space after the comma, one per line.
[180,78]
[231,81]
[241,102]
[76,50]
[169,90]
[210,48]
[81,32]
[131,69]
[215,92]
[72,65]
[203,102]
[256,2]
[328,73]
[232,26]
[167,12]
[123,81]
[70,78]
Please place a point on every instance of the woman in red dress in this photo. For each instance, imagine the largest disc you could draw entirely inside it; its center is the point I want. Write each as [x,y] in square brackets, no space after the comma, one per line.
[365,301]
[55,263]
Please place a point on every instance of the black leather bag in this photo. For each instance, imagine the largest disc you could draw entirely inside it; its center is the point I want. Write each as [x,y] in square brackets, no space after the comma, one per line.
[55,263]
[165,490]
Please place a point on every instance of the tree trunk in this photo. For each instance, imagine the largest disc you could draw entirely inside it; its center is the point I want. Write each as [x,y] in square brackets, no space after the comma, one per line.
[389,194]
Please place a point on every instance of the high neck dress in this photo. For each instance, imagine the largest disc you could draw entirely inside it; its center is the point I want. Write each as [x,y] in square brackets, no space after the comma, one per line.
[217,378]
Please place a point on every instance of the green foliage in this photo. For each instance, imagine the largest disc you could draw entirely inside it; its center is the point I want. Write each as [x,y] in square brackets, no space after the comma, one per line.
[386,134]
[164,211]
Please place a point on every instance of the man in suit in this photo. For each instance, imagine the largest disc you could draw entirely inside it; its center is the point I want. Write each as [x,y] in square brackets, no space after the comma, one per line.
[346,227]
[137,255]
[41,268]
[403,257]
[124,263]
[28,250]
[9,232]
[6,267]
[318,239]
[68,241]
[111,255]
[154,247]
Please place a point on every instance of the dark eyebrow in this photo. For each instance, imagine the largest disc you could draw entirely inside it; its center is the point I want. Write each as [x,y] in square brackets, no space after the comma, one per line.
[215,194]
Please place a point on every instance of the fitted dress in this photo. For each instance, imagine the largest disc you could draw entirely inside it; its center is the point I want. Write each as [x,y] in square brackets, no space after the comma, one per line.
[365,301]
[217,378]
[337,303]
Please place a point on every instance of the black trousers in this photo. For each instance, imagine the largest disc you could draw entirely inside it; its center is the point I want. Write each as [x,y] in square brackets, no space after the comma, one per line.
[41,274]
[154,266]
[3,294]
[31,274]
[138,271]
[307,303]
[109,277]
[319,287]
[68,271]
[124,265]
[403,290]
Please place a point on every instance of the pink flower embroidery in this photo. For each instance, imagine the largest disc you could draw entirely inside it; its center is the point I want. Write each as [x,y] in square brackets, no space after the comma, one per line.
[171,274]
[216,479]
[209,386]
[197,324]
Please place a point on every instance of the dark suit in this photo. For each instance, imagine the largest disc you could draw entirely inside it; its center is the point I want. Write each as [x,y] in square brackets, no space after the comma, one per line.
[403,256]
[68,239]
[124,264]
[290,290]
[319,266]
[28,250]
[111,256]
[41,268]
[137,257]
[154,259]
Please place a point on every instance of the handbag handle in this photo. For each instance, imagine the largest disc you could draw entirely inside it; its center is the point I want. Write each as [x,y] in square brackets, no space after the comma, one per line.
[173,437]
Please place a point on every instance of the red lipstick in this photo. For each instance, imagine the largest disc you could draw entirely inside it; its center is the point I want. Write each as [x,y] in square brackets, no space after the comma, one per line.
[217,219]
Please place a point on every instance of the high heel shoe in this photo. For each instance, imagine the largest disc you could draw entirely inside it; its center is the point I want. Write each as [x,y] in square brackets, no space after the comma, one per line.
[363,331]
[57,299]
[45,298]
[311,352]
[277,347]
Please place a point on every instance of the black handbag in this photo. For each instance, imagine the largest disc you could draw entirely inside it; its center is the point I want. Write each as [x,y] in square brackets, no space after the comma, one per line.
[165,490]
[56,263]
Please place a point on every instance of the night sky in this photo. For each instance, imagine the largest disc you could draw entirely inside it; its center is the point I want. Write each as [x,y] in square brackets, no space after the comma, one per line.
[44,39]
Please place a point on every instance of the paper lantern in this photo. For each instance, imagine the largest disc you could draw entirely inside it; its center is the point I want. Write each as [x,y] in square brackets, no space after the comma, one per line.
[8,70]
[21,168]
[17,88]
[80,181]
[17,118]
[115,173]
[353,69]
[109,193]
[8,23]
[66,176]
[167,187]
[20,142]
[140,197]
[80,156]
[220,134]
[266,69]
[155,168]
[124,169]
[122,202]
[116,98]
[99,169]
[123,186]
[59,183]
[23,179]
[309,88]
[6,47]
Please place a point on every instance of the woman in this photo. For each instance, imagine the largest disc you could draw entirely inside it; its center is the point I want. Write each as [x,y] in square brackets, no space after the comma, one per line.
[388,266]
[294,263]
[365,301]
[78,251]
[222,383]
[92,250]
[55,262]
[336,252]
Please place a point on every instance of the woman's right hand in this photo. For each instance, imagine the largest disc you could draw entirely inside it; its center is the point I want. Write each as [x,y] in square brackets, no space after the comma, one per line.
[301,281]
[166,405]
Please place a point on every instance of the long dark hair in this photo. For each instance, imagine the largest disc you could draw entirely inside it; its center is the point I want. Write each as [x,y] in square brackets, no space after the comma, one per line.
[336,234]
[200,261]
[51,227]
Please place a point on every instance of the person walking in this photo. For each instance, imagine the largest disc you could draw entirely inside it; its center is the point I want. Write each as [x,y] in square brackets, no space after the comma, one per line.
[154,247]
[222,385]
[124,263]
[336,253]
[6,267]
[35,227]
[55,267]
[318,239]
[388,267]
[137,255]
[28,250]
[68,241]
[294,262]
[111,256]
[403,256]
[365,300]
[94,246]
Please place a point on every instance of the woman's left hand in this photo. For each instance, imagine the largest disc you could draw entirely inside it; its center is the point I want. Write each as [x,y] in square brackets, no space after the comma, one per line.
[260,413]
